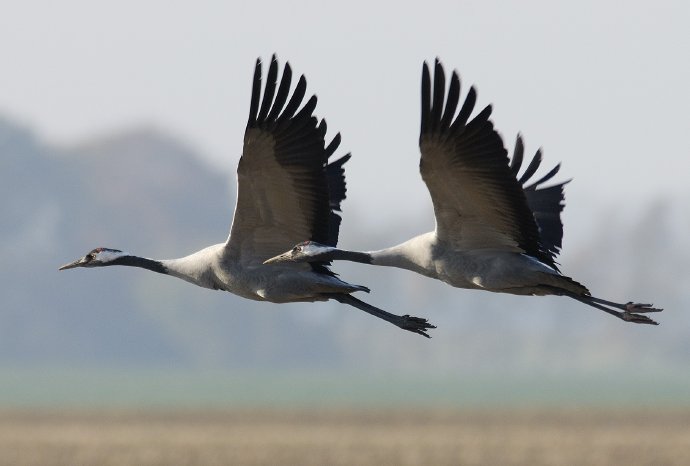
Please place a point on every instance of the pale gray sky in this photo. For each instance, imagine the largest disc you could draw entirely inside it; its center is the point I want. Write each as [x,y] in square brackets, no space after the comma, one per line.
[602,86]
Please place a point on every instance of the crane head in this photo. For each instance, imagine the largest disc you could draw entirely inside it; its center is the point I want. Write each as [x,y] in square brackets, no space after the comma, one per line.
[98,257]
[308,251]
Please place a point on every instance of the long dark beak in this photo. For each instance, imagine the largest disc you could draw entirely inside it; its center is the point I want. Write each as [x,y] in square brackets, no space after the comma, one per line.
[76,263]
[285,257]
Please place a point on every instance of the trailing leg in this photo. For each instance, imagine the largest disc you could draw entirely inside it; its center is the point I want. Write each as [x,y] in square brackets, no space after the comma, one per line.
[632,312]
[406,322]
[628,307]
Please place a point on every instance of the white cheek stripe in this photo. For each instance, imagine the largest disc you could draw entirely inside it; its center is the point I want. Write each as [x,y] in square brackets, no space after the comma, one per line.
[311,250]
[107,256]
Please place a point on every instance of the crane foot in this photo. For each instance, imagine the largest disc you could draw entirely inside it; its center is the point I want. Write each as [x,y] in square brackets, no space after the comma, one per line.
[638,318]
[640,308]
[417,325]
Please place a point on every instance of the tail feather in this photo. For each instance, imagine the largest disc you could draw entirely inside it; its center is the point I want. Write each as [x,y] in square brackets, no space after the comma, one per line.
[564,283]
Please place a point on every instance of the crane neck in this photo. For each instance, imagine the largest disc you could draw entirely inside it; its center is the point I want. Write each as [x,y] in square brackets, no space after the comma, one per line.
[352,256]
[397,256]
[394,257]
[142,262]
[197,268]
[414,254]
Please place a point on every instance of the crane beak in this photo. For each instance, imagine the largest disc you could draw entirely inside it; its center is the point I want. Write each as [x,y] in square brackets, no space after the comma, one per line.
[285,257]
[76,263]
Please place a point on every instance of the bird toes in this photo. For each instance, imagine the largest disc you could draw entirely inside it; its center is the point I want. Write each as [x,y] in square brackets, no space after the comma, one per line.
[631,307]
[416,325]
[638,318]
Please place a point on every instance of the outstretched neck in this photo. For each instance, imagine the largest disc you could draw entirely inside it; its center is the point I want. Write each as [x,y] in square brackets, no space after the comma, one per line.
[197,268]
[395,257]
[187,268]
[142,262]
[389,257]
[415,255]
[402,256]
[352,256]
[194,268]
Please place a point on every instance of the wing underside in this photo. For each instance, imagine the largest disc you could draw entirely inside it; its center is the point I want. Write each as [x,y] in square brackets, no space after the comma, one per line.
[284,195]
[478,202]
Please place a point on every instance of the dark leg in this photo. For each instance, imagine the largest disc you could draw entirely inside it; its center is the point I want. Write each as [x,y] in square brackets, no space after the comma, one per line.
[631,311]
[406,322]
[628,307]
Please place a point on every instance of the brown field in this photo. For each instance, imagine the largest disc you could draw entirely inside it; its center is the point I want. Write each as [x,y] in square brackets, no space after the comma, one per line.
[342,437]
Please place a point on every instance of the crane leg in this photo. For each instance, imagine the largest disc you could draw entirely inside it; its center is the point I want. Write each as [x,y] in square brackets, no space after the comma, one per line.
[628,307]
[632,312]
[410,323]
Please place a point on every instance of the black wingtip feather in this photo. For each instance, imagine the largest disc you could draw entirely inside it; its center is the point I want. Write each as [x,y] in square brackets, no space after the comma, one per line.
[479,123]
[532,167]
[283,93]
[438,95]
[546,204]
[545,178]
[308,108]
[269,89]
[297,97]
[426,99]
[452,101]
[333,146]
[256,94]
[466,109]
[518,153]
[337,191]
[337,187]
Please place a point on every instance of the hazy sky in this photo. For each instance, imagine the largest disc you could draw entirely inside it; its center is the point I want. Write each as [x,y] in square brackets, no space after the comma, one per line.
[602,86]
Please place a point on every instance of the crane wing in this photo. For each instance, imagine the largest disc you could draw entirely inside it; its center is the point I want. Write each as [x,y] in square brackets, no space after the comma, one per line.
[283,192]
[478,202]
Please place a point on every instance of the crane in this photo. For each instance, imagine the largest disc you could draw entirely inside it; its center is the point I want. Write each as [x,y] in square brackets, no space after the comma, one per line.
[286,190]
[494,231]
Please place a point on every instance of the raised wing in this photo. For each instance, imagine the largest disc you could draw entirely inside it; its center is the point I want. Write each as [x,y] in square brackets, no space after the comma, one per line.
[283,193]
[546,203]
[478,202]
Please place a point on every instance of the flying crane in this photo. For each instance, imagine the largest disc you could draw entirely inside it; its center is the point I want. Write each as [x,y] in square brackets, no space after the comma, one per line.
[287,190]
[495,231]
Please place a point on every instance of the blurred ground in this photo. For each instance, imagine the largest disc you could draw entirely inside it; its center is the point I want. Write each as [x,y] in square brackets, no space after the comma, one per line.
[344,437]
